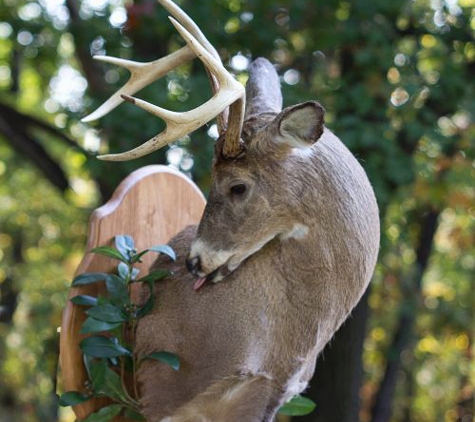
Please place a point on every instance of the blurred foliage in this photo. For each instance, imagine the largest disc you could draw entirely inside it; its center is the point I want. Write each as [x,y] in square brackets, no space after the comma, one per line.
[396,78]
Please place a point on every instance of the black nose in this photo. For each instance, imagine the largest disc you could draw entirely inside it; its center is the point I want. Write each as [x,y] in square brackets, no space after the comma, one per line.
[193,264]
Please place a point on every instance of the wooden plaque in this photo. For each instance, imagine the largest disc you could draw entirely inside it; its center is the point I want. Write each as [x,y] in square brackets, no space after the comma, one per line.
[152,205]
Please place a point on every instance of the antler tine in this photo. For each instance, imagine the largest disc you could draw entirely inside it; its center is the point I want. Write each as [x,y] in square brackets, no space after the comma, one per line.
[189,25]
[212,64]
[193,29]
[141,75]
[172,132]
[179,124]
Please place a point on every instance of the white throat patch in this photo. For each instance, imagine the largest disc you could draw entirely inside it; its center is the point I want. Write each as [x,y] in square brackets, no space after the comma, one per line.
[298,231]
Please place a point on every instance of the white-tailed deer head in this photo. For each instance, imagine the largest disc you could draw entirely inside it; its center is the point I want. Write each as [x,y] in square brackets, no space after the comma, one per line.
[256,198]
[291,230]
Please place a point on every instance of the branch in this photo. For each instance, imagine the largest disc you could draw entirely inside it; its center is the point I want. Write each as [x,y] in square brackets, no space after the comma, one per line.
[16,134]
[31,121]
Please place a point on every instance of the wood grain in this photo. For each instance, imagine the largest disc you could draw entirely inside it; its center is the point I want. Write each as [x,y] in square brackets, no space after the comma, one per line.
[152,204]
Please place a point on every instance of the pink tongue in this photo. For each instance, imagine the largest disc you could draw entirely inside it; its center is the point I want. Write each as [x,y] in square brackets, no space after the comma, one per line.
[199,283]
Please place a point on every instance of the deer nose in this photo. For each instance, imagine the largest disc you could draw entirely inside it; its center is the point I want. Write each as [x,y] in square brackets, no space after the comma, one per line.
[193,265]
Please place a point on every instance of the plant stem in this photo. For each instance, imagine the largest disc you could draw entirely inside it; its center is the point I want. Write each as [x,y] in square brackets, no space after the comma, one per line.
[130,399]
[134,376]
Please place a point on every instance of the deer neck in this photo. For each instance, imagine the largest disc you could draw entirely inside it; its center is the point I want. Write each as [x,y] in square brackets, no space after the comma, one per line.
[332,244]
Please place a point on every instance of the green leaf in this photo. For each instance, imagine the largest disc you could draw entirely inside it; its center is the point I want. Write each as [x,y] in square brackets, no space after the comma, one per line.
[144,310]
[88,278]
[97,373]
[298,406]
[135,273]
[123,270]
[92,325]
[165,250]
[101,300]
[165,357]
[125,245]
[124,274]
[105,414]
[155,276]
[72,398]
[84,300]
[117,289]
[88,361]
[102,347]
[107,313]
[112,386]
[106,381]
[136,258]
[109,252]
[133,415]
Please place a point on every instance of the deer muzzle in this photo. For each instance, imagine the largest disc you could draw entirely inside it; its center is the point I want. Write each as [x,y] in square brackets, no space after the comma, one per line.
[208,264]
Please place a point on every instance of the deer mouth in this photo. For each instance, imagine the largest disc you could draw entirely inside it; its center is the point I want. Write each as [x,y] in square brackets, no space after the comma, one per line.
[213,277]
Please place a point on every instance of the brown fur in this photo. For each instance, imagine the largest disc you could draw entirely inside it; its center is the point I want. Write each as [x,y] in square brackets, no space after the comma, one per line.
[237,398]
[249,343]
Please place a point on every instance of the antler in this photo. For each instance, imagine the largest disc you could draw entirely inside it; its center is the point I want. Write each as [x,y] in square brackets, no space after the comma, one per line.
[141,75]
[227,92]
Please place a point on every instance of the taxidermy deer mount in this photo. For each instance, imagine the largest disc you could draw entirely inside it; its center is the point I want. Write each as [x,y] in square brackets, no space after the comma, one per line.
[285,249]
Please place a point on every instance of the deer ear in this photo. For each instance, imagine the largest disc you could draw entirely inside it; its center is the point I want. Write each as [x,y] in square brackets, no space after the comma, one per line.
[300,126]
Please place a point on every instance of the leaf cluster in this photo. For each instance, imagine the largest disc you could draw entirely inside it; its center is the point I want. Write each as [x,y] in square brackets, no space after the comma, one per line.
[108,358]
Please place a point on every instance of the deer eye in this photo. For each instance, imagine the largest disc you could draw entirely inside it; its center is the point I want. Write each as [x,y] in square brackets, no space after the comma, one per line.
[238,189]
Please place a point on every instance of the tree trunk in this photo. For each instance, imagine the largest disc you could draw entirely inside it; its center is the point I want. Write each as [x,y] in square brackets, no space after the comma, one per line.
[382,408]
[335,385]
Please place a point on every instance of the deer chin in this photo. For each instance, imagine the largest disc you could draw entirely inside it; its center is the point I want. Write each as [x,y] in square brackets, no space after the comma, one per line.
[232,262]
[217,274]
